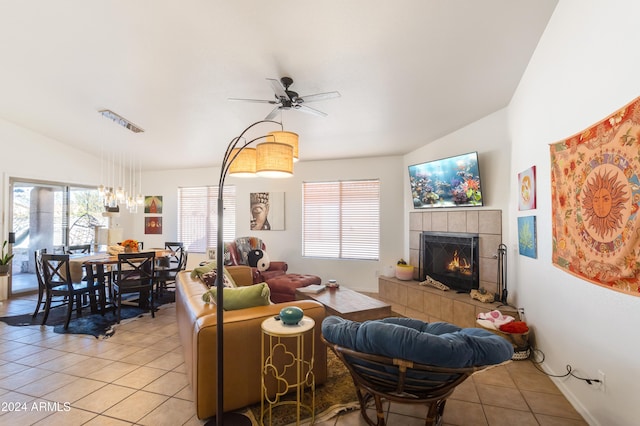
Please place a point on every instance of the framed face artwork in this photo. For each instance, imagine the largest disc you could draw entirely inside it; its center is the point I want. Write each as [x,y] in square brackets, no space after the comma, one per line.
[266,211]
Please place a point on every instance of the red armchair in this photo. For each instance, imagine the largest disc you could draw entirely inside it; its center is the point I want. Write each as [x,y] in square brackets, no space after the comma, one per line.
[235,253]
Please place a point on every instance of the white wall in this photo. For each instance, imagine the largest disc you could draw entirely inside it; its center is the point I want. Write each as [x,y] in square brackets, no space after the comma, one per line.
[489,137]
[287,245]
[585,68]
[30,155]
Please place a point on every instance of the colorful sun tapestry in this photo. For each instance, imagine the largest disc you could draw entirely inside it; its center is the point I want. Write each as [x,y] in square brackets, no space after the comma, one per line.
[595,192]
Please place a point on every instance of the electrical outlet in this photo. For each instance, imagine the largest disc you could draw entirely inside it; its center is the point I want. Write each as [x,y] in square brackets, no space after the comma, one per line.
[521,311]
[602,382]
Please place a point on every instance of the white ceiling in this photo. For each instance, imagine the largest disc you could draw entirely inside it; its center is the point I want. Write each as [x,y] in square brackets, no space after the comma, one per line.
[409,71]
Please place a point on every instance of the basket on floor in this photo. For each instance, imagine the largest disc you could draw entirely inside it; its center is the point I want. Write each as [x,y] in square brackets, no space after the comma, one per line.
[520,342]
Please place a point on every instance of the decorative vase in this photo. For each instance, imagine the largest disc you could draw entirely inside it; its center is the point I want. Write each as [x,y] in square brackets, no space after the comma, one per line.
[291,315]
[128,250]
[4,269]
[404,272]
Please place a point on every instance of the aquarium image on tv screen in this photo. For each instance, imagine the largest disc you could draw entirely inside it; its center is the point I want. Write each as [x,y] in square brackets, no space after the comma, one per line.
[448,182]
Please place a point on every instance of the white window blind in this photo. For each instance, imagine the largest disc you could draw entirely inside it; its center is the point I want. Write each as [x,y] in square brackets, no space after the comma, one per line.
[341,219]
[198,216]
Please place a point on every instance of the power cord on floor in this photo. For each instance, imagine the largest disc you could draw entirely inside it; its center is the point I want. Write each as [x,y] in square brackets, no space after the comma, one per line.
[537,352]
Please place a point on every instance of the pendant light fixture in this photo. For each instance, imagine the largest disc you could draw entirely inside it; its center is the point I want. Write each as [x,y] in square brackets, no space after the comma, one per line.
[274,159]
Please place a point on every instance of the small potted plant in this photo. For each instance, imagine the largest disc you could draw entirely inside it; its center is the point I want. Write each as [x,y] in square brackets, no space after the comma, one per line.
[5,260]
[404,271]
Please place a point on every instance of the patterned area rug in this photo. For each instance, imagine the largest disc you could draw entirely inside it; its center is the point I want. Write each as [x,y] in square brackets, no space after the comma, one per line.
[100,326]
[337,395]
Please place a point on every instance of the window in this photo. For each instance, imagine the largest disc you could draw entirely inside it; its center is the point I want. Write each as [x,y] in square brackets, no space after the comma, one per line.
[341,219]
[198,216]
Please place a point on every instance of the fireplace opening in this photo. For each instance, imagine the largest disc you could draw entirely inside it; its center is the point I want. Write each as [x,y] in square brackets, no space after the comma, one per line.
[451,258]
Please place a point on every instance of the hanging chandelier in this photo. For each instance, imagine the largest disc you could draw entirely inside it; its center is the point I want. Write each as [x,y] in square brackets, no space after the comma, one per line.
[121,179]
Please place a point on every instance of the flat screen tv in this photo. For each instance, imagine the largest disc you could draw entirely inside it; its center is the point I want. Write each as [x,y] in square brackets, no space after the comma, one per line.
[448,182]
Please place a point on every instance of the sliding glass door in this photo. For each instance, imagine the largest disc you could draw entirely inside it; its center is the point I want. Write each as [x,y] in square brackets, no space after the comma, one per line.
[49,215]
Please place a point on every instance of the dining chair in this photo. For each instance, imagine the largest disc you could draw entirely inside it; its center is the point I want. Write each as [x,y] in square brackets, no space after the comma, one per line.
[79,249]
[57,278]
[168,267]
[42,286]
[135,274]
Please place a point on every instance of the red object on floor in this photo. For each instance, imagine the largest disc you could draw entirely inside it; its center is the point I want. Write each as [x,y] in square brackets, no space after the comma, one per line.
[515,327]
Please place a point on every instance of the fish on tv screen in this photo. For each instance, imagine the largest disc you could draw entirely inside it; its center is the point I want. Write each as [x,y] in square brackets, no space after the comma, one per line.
[448,182]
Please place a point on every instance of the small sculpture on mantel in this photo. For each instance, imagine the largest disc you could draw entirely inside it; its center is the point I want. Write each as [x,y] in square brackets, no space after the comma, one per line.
[482,295]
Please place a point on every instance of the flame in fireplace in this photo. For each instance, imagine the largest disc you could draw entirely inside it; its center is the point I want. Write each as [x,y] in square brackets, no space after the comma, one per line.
[459,264]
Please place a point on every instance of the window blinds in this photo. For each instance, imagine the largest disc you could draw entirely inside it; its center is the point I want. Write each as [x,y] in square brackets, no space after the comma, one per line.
[198,216]
[341,219]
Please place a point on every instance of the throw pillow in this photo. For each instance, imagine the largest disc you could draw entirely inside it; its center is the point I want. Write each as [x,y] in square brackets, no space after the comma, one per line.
[244,245]
[259,259]
[240,297]
[209,279]
[210,270]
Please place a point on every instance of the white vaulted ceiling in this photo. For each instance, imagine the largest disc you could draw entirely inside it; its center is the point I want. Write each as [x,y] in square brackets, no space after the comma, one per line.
[409,71]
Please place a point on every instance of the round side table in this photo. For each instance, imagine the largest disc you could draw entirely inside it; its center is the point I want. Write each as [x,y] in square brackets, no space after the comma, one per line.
[283,359]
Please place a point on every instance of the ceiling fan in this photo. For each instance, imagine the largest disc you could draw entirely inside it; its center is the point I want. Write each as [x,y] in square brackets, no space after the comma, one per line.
[288,99]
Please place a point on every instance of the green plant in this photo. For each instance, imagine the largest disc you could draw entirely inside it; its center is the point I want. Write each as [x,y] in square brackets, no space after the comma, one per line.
[6,257]
[402,262]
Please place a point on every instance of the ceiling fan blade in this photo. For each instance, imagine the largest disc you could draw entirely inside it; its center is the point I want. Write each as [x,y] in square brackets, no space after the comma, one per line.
[262,101]
[319,97]
[273,114]
[278,88]
[308,110]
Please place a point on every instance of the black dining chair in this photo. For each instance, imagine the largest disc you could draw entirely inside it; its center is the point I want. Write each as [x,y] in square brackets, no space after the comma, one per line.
[135,274]
[42,286]
[79,249]
[168,267]
[57,276]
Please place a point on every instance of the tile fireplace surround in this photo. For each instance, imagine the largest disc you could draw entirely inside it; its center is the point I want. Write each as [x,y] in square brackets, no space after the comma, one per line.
[426,303]
[486,223]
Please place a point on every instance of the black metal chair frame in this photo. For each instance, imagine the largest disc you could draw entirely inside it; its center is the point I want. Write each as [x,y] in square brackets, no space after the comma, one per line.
[42,286]
[377,377]
[168,268]
[135,274]
[58,282]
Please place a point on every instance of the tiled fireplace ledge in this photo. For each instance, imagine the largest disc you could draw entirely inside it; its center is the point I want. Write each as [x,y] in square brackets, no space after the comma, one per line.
[410,299]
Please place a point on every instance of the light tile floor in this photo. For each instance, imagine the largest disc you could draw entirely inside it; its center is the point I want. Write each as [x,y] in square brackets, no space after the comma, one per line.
[137,377]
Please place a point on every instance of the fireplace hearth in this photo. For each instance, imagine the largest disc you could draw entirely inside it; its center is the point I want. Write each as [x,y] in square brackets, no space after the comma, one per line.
[451,258]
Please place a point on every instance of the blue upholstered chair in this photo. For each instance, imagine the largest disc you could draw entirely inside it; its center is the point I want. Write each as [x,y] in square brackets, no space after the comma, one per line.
[408,361]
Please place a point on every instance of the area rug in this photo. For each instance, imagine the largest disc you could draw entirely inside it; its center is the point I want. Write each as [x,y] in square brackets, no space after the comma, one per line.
[100,326]
[337,395]
[595,190]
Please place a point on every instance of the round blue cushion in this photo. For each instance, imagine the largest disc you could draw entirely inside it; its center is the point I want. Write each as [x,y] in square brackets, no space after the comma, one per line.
[440,344]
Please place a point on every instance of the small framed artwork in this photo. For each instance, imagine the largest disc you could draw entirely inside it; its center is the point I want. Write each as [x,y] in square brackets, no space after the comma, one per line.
[211,253]
[153,225]
[527,189]
[153,204]
[527,243]
[267,211]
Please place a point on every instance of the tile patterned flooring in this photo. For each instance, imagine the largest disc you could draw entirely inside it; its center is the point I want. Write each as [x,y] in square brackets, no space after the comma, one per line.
[137,377]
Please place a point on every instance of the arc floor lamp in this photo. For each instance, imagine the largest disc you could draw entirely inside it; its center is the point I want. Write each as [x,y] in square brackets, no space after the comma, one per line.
[271,158]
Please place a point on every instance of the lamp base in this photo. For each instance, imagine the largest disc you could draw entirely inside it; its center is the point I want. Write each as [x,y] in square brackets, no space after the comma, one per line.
[230,419]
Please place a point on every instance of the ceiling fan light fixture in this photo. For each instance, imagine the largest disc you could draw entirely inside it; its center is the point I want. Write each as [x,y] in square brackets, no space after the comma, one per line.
[288,138]
[244,164]
[274,160]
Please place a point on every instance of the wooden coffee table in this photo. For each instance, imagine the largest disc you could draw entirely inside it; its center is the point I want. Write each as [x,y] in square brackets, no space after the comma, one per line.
[348,304]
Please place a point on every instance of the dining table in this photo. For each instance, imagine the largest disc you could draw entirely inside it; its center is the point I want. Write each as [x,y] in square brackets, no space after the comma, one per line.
[100,266]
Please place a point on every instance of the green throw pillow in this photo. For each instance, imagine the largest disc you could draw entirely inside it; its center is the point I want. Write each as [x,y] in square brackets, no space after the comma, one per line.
[241,297]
